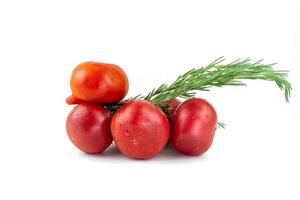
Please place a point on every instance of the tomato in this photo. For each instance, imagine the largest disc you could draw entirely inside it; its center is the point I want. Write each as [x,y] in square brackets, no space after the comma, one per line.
[99,82]
[193,127]
[71,100]
[140,129]
[88,127]
[172,105]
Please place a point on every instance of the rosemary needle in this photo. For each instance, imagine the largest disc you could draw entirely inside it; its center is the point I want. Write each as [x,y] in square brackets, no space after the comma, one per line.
[218,74]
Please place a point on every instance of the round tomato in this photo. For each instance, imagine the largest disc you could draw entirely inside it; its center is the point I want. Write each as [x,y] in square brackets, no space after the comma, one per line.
[140,129]
[99,82]
[88,127]
[193,127]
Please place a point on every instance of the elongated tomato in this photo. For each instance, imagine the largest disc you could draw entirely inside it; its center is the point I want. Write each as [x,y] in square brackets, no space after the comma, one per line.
[88,127]
[193,127]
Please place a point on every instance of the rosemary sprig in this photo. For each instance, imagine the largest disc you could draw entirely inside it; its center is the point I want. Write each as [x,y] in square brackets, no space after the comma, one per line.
[218,74]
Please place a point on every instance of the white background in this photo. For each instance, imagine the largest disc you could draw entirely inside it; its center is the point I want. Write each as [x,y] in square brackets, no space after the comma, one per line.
[255,157]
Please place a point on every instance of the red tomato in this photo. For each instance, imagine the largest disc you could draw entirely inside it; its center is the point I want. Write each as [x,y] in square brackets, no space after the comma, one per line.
[88,127]
[193,127]
[71,100]
[172,104]
[140,129]
[99,82]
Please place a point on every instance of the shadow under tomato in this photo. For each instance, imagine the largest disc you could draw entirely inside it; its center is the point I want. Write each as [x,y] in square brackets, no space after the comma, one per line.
[111,151]
[167,155]
[170,154]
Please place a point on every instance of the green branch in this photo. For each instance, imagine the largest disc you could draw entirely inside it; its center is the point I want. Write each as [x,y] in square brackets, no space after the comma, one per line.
[218,74]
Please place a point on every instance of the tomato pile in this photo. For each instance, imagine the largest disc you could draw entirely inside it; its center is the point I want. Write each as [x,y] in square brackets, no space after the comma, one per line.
[141,127]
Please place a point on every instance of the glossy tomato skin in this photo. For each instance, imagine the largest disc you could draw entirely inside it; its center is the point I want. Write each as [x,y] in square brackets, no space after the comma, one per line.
[140,129]
[99,82]
[193,127]
[88,127]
